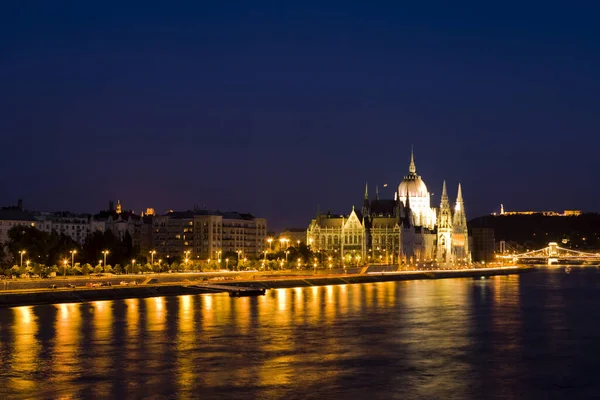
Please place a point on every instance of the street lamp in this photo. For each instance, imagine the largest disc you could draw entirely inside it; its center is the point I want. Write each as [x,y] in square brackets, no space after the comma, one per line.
[152,253]
[65,261]
[187,257]
[105,253]
[73,252]
[227,263]
[238,259]
[159,268]
[22,252]
[132,264]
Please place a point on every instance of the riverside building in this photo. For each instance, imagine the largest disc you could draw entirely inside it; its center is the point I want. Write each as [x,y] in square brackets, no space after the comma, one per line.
[202,234]
[403,230]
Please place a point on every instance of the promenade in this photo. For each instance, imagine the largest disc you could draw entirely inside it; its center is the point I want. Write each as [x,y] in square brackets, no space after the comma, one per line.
[70,290]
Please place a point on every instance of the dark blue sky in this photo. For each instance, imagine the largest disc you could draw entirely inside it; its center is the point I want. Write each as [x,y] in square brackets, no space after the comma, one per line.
[276,107]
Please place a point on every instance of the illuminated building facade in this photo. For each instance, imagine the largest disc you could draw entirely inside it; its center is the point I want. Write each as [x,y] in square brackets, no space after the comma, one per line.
[402,230]
[207,234]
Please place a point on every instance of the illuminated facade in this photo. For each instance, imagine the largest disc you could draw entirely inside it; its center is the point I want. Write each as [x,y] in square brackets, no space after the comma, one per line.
[403,230]
[207,234]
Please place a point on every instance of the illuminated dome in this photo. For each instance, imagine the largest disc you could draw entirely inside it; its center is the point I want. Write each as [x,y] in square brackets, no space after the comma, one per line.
[412,184]
[413,187]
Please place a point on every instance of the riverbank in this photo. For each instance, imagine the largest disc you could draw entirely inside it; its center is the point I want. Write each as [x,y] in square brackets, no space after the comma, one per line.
[167,287]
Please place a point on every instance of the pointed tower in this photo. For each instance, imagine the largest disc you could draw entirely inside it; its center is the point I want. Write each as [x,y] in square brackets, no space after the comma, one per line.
[460,218]
[444,229]
[377,193]
[460,235]
[411,167]
[366,208]
[119,207]
[408,214]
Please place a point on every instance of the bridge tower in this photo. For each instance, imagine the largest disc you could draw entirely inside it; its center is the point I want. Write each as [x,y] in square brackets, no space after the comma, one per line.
[444,229]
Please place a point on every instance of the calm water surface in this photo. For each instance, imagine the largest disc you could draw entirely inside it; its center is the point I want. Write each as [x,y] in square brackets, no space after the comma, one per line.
[530,336]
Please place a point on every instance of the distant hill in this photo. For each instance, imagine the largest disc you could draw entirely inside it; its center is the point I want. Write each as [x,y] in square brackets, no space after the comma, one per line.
[535,231]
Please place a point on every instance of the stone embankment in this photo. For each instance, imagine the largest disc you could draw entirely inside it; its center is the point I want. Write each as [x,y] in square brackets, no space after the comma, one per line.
[171,285]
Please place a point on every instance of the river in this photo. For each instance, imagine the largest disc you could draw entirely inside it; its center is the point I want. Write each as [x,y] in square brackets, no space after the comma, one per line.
[535,335]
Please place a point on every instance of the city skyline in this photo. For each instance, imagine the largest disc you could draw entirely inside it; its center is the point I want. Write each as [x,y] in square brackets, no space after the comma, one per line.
[275,110]
[384,191]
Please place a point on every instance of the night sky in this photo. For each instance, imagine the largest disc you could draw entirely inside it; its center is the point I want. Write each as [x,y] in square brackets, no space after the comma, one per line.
[276,107]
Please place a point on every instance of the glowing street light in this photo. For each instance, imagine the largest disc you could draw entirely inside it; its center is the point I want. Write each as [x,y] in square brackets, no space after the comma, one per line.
[105,253]
[227,263]
[65,261]
[22,253]
[132,264]
[152,253]
[73,252]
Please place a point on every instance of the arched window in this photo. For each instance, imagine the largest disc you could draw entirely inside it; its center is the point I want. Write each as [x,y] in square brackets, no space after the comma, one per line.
[335,240]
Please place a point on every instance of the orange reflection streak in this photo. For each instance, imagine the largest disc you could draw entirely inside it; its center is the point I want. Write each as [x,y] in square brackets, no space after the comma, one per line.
[133,317]
[281,299]
[155,314]
[186,339]
[103,322]
[26,349]
[242,313]
[67,326]
[208,312]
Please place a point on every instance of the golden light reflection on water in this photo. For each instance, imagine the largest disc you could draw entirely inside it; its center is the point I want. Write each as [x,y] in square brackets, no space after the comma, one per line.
[26,348]
[191,342]
[186,339]
[67,339]
[155,314]
[132,317]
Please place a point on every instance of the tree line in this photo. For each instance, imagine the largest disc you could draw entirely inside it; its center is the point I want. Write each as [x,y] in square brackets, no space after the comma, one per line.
[46,253]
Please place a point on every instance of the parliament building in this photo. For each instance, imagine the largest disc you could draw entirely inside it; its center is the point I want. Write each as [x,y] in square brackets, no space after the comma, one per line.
[404,230]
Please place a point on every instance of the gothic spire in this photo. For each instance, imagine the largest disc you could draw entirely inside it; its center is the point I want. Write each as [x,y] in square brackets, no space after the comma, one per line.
[366,190]
[459,199]
[408,210]
[412,168]
[445,213]
[377,193]
[444,199]
[460,217]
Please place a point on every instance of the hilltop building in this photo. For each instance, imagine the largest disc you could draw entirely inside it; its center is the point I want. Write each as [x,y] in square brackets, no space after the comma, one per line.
[402,230]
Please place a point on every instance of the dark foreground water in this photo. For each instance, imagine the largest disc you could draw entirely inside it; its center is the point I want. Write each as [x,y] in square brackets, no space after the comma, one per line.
[535,336]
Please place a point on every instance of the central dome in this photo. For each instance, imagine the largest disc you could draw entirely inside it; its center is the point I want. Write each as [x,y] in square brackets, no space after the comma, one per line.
[412,185]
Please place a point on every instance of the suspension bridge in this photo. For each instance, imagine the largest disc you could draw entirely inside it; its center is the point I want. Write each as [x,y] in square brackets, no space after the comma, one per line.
[554,255]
